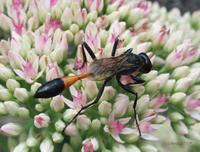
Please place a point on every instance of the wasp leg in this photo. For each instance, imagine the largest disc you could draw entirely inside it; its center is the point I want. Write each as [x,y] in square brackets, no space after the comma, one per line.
[89,50]
[137,80]
[89,105]
[129,89]
[115,47]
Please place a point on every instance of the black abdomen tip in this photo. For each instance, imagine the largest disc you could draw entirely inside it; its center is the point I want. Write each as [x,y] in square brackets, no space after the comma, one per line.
[50,89]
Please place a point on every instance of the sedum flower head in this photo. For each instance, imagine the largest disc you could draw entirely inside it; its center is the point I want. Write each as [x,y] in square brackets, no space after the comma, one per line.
[41,40]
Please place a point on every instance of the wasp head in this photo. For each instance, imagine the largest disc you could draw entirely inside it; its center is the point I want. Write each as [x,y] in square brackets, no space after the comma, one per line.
[147,66]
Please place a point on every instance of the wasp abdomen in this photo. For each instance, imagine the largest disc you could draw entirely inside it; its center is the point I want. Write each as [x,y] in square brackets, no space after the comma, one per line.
[50,89]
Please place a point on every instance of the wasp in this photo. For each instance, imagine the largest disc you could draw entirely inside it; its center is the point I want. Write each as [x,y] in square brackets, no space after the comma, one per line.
[103,69]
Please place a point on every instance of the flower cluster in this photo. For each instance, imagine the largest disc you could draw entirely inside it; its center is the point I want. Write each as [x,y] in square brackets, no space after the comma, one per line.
[41,40]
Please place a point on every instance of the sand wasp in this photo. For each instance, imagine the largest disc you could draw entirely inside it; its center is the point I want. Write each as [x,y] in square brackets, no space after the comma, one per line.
[103,70]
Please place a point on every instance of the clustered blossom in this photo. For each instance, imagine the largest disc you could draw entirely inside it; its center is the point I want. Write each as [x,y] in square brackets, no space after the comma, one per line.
[41,40]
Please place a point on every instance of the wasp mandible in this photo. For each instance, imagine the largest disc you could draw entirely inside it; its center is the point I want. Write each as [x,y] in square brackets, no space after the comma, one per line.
[103,70]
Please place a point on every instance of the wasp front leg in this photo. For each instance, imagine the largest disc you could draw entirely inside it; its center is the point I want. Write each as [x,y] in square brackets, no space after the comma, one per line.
[128,88]
[91,53]
[91,104]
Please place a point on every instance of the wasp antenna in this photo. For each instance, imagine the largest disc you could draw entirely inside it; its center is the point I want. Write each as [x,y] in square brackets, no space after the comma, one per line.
[50,89]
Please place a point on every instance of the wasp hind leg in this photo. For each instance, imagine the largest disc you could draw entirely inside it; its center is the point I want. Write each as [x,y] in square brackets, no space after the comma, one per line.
[91,104]
[115,47]
[128,88]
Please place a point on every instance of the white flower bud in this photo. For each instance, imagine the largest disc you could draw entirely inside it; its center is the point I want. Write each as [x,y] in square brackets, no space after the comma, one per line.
[162,78]
[121,105]
[169,86]
[71,130]
[5,73]
[59,125]
[114,16]
[11,129]
[153,86]
[21,147]
[2,109]
[11,84]
[109,93]
[143,103]
[79,37]
[134,16]
[5,94]
[23,112]
[105,108]
[133,148]
[57,137]
[148,148]
[159,119]
[39,107]
[181,72]
[21,94]
[92,16]
[194,135]
[74,28]
[178,97]
[83,122]
[150,76]
[34,87]
[69,114]
[46,145]
[131,138]
[91,89]
[41,120]
[96,124]
[176,116]
[143,47]
[183,84]
[181,128]
[31,141]
[57,103]
[11,107]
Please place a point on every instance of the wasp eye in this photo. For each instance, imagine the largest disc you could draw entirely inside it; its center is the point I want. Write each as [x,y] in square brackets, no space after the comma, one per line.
[147,63]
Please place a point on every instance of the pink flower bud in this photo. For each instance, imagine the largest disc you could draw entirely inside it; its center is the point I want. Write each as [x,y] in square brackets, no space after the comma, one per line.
[57,103]
[41,120]
[121,105]
[11,129]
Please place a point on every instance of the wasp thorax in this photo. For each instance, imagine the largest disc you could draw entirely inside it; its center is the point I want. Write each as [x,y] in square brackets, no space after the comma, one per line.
[134,59]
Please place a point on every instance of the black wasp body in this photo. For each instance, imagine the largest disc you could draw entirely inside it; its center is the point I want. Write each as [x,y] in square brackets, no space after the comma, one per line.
[103,69]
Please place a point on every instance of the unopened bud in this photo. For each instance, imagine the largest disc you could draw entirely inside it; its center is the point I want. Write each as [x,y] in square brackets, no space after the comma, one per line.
[21,147]
[181,128]
[181,72]
[59,125]
[12,84]
[31,141]
[148,148]
[121,105]
[183,84]
[11,107]
[83,122]
[169,86]
[41,120]
[104,108]
[5,94]
[74,28]
[96,124]
[21,94]
[46,145]
[109,93]
[178,97]
[71,130]
[176,116]
[5,73]
[57,137]
[57,103]
[11,129]
[69,114]
[2,109]
[23,112]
